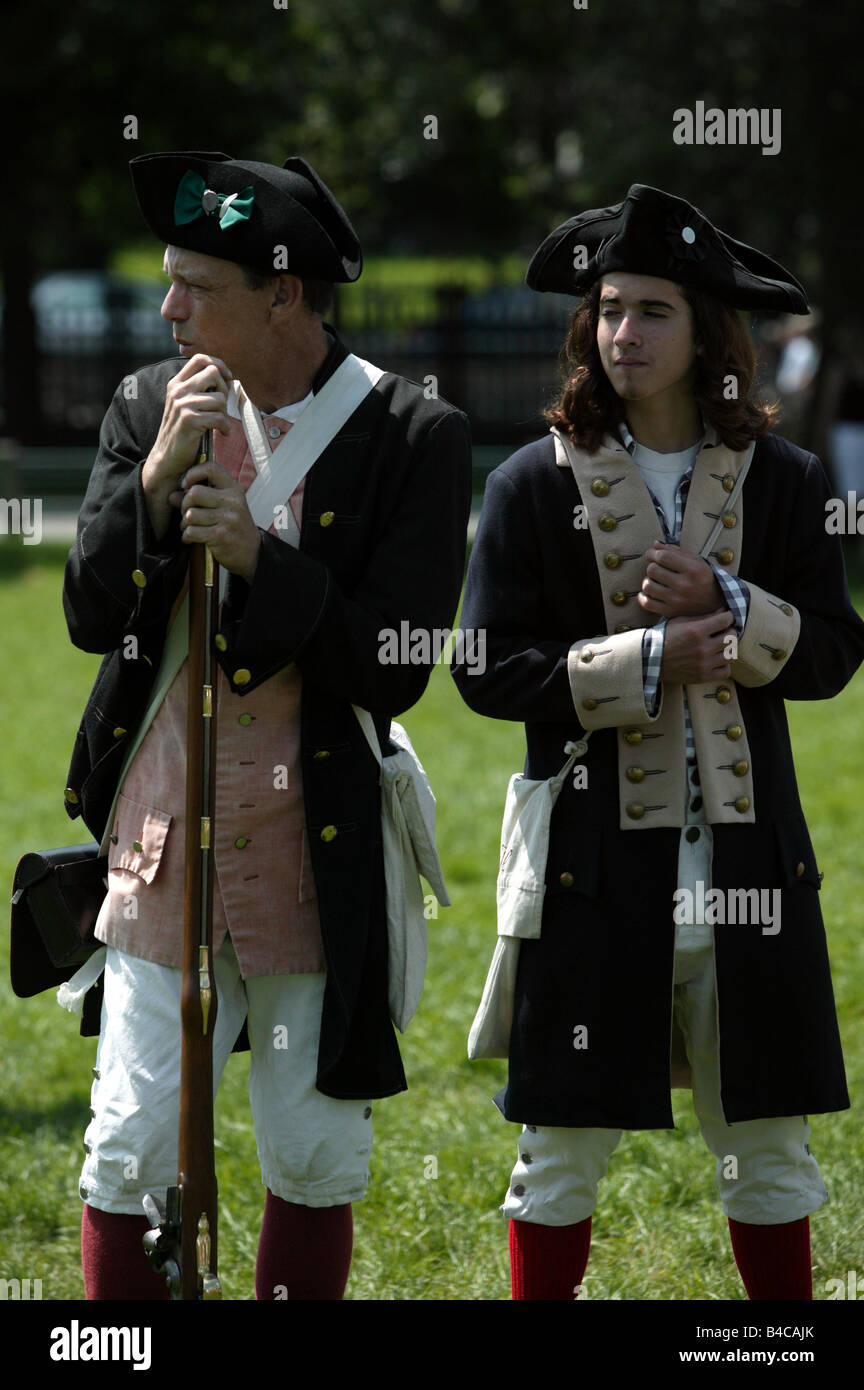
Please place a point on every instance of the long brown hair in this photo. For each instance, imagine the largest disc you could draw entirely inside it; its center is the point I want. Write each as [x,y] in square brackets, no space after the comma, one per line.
[587,407]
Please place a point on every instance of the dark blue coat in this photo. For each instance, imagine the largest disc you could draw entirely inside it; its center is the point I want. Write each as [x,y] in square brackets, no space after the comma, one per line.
[397,481]
[605,955]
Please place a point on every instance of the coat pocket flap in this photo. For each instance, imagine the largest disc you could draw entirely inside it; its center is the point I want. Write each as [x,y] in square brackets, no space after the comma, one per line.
[138,838]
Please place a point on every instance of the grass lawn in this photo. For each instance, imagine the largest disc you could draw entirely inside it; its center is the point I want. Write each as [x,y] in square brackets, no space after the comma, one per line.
[429,1227]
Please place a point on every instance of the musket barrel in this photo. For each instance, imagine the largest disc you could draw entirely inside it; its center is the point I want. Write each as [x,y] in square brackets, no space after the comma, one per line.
[197,1175]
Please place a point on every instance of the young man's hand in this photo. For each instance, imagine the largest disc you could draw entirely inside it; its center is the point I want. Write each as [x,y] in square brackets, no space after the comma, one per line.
[678,583]
[693,648]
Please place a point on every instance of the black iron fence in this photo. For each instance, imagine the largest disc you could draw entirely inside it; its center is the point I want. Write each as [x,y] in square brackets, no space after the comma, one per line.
[492,353]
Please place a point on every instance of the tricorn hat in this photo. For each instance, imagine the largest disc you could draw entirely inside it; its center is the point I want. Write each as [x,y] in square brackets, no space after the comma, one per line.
[244,211]
[655,233]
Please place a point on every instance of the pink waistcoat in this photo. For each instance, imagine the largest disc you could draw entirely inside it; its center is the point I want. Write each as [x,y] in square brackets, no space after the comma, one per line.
[264,889]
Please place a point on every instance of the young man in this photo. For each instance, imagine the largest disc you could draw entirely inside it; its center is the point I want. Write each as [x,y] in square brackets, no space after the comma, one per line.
[299,912]
[636,601]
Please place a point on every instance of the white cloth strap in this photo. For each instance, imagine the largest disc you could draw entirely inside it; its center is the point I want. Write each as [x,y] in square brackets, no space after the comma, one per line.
[280,473]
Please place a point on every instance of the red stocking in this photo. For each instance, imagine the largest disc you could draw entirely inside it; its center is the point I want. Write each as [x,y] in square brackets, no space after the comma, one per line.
[774,1261]
[548,1262]
[303,1252]
[112,1256]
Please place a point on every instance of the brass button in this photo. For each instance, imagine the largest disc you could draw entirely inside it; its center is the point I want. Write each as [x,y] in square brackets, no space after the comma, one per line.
[600,487]
[623,627]
[722,694]
[611,560]
[619,598]
[71,796]
[242,677]
[320,754]
[734,732]
[741,768]
[778,654]
[118,732]
[633,736]
[139,578]
[245,720]
[799,869]
[586,654]
[241,842]
[635,810]
[137,846]
[725,556]
[607,522]
[742,804]
[329,833]
[787,609]
[635,774]
[566,880]
[730,520]
[326,518]
[589,703]
[220,642]
[728,482]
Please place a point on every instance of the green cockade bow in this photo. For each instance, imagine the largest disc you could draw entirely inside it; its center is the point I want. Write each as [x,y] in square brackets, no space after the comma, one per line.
[194,199]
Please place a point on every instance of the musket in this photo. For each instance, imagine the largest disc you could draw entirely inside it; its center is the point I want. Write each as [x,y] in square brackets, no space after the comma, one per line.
[183,1242]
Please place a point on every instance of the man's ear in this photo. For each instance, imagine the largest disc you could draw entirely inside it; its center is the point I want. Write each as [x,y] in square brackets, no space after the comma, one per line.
[288,292]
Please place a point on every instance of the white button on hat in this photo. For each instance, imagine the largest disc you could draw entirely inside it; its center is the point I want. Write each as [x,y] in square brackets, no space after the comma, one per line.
[689,235]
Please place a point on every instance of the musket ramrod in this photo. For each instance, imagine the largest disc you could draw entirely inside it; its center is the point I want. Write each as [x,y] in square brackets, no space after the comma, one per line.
[183,1242]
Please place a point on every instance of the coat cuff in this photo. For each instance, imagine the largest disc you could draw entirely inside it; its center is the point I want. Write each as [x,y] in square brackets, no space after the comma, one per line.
[606,682]
[768,639]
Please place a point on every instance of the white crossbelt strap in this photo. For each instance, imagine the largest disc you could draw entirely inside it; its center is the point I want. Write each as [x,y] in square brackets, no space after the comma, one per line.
[281,472]
[278,476]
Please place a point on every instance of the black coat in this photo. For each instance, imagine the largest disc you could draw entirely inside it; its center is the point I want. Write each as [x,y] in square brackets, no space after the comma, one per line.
[605,955]
[397,481]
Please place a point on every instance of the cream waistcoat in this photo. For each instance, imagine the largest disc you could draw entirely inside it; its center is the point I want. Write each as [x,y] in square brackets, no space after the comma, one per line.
[606,671]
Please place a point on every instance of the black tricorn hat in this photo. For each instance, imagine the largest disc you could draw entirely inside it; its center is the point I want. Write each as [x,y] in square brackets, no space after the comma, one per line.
[655,233]
[243,211]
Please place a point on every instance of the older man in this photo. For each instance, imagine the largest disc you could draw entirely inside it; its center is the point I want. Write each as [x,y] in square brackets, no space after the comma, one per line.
[655,579]
[299,922]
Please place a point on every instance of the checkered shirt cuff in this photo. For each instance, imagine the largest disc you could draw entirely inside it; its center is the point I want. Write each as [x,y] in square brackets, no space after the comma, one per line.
[652,660]
[736,594]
